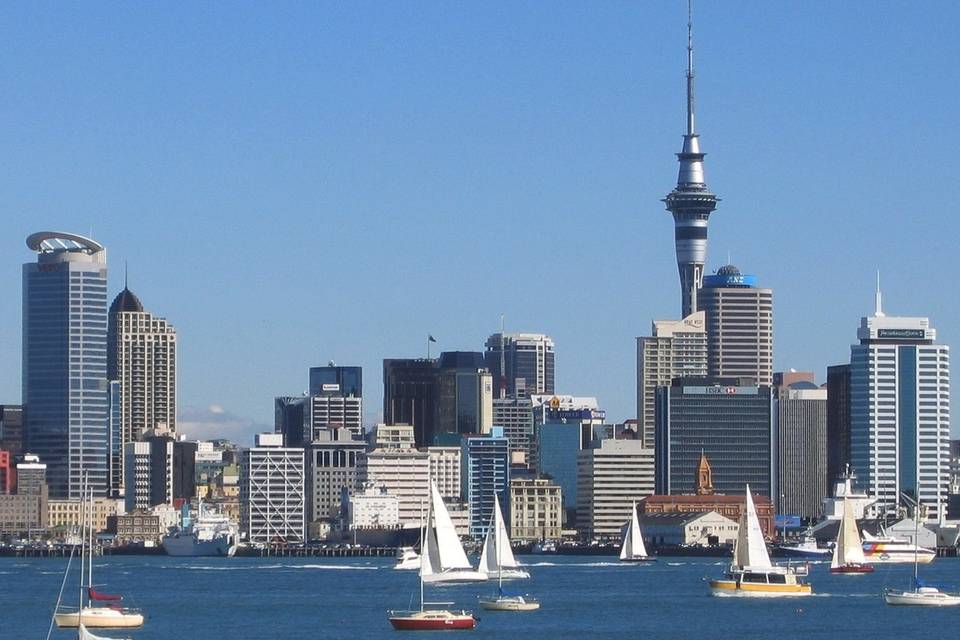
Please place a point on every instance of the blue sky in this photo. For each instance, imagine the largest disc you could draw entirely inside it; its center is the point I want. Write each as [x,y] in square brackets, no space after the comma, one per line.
[294,183]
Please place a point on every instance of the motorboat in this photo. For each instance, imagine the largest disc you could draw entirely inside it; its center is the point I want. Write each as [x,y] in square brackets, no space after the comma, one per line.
[407,559]
[885,549]
[806,547]
[751,574]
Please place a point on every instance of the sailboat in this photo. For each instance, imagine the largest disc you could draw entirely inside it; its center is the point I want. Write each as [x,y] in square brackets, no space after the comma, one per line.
[752,574]
[848,550]
[430,619]
[443,557]
[922,594]
[112,615]
[496,559]
[633,549]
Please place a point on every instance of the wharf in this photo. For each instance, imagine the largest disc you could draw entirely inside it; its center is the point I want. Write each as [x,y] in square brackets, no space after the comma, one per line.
[283,551]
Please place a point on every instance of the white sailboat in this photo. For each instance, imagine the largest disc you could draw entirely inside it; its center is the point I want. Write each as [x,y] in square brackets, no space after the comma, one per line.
[497,559]
[112,616]
[444,559]
[848,550]
[922,594]
[752,574]
[633,549]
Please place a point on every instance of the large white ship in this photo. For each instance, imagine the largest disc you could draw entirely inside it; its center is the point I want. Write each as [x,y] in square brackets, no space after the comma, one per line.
[209,534]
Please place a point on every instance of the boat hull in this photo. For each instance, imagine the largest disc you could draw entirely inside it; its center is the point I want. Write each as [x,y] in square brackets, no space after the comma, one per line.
[639,560]
[455,576]
[188,546]
[433,621]
[898,557]
[494,604]
[508,574]
[912,598]
[99,618]
[733,588]
[852,569]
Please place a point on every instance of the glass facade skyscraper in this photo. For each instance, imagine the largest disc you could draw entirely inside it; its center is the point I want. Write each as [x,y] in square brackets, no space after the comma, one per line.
[65,360]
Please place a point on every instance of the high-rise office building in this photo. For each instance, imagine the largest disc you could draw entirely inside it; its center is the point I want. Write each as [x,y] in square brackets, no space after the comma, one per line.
[336,400]
[336,380]
[288,419]
[838,421]
[527,362]
[739,317]
[272,500]
[32,476]
[142,357]
[802,453]
[731,421]
[65,360]
[486,473]
[148,473]
[409,396]
[395,464]
[612,474]
[11,428]
[445,470]
[332,460]
[515,415]
[464,394]
[674,349]
[691,204]
[900,412]
[8,473]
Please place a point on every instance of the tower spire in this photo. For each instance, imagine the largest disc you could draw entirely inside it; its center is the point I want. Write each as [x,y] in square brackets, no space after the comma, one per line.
[879,311]
[691,202]
[690,118]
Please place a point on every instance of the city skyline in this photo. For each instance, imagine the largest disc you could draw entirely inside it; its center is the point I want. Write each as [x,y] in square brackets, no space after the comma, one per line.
[531,140]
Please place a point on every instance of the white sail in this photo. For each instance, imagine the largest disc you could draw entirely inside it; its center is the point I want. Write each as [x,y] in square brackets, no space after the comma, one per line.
[849,547]
[633,539]
[496,552]
[751,550]
[83,634]
[449,551]
[429,552]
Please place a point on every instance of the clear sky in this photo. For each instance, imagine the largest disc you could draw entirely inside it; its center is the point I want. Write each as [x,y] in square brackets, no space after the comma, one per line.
[293,183]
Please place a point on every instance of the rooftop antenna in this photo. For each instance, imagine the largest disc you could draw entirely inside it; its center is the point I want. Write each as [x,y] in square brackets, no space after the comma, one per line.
[690,122]
[125,273]
[503,361]
[879,311]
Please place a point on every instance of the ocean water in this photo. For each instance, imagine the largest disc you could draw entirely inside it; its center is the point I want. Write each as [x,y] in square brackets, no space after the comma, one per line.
[582,597]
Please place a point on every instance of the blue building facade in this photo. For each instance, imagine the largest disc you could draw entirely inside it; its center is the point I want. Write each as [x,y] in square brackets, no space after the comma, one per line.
[485,462]
[558,444]
[65,361]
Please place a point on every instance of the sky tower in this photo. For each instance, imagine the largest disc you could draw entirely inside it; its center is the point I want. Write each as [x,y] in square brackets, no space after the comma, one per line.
[691,202]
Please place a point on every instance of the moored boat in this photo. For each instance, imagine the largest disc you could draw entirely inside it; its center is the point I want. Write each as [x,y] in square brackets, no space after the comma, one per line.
[752,574]
[921,596]
[432,620]
[509,602]
[209,534]
[889,550]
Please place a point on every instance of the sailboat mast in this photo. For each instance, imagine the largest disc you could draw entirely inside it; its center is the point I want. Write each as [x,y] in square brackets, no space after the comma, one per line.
[89,497]
[423,547]
[496,517]
[83,544]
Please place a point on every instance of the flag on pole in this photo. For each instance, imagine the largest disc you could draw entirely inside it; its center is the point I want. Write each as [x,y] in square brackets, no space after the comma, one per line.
[430,338]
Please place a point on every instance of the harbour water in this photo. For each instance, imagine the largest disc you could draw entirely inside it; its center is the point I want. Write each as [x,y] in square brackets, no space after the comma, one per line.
[585,597]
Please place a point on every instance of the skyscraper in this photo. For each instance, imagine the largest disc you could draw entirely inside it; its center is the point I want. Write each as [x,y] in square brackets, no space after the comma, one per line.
[142,357]
[675,349]
[65,360]
[272,500]
[802,449]
[527,360]
[739,326]
[464,394]
[900,411]
[838,421]
[486,472]
[409,396]
[11,428]
[691,203]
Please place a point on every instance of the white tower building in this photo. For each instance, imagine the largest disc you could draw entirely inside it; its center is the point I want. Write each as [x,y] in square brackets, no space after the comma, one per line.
[272,501]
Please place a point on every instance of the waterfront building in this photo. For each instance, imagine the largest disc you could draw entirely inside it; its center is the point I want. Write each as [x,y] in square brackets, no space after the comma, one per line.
[515,416]
[65,360]
[674,349]
[8,473]
[332,460]
[32,476]
[336,400]
[142,358]
[536,509]
[729,506]
[691,204]
[409,396]
[22,513]
[739,317]
[689,529]
[272,500]
[445,470]
[372,507]
[139,526]
[838,421]
[802,449]
[900,412]
[730,420]
[612,474]
[526,361]
[289,418]
[486,473]
[148,472]
[394,463]
[11,428]
[70,514]
[464,394]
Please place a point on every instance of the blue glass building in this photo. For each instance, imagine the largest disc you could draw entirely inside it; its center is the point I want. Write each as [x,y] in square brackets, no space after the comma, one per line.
[485,462]
[558,444]
[65,360]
